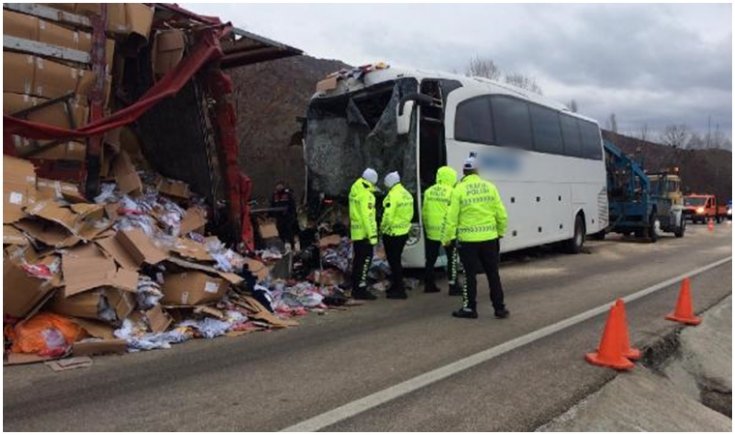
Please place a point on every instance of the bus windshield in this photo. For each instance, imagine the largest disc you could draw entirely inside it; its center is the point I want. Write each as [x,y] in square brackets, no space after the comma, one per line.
[694,201]
[349,132]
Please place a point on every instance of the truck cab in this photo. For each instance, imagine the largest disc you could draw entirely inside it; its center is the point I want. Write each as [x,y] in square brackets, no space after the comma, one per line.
[700,208]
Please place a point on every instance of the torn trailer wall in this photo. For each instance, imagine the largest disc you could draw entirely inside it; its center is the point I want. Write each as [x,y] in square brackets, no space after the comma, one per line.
[347,133]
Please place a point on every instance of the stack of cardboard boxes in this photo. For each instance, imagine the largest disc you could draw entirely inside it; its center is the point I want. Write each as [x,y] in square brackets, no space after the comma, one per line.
[31,79]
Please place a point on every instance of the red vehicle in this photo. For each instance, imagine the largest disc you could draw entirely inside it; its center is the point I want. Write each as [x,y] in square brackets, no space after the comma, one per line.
[703,207]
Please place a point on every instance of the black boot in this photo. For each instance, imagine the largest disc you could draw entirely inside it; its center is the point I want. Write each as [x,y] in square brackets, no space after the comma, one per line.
[465,313]
[502,313]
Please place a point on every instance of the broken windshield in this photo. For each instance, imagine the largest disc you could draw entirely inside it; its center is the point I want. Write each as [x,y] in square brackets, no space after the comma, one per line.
[347,133]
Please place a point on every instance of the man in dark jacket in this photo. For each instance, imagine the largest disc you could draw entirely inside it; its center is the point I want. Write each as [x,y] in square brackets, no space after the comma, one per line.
[285,220]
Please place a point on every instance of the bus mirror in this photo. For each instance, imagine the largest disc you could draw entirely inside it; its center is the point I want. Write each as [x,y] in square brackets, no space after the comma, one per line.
[403,117]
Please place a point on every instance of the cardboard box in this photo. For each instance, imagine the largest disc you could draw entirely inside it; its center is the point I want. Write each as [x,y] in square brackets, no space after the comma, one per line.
[173,188]
[86,268]
[48,233]
[140,247]
[82,220]
[232,278]
[52,79]
[20,25]
[192,287]
[125,175]
[99,347]
[168,50]
[96,328]
[115,249]
[72,151]
[13,236]
[268,229]
[86,305]
[19,181]
[138,19]
[158,320]
[18,72]
[194,219]
[54,189]
[21,292]
[327,84]
[187,248]
[257,268]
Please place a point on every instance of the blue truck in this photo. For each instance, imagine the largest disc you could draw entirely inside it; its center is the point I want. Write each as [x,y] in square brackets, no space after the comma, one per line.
[641,204]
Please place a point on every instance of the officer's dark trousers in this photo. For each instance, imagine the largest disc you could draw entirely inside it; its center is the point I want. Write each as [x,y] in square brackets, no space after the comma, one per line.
[477,257]
[393,250]
[432,253]
[361,259]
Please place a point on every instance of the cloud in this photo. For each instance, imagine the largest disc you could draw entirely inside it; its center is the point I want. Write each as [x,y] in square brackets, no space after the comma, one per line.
[654,64]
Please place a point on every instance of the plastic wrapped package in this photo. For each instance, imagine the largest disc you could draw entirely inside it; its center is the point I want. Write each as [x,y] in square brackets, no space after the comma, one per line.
[138,339]
[107,194]
[148,293]
[46,334]
[208,327]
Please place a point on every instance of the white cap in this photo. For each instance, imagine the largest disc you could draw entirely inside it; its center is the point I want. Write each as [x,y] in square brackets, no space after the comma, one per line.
[392,179]
[370,175]
[470,164]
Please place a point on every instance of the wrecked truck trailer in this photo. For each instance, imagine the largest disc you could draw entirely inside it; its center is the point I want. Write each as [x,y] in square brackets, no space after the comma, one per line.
[154,75]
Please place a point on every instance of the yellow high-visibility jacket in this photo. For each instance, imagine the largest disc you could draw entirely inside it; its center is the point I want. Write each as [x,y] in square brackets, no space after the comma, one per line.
[397,211]
[476,212]
[363,223]
[436,202]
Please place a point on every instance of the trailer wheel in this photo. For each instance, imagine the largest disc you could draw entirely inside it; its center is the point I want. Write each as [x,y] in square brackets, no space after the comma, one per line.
[651,230]
[574,245]
[679,232]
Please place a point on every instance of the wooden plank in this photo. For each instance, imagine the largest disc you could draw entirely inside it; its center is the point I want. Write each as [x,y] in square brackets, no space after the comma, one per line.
[43,49]
[49,13]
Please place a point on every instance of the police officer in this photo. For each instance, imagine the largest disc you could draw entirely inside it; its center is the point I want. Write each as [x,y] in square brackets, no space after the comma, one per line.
[434,211]
[478,218]
[363,231]
[395,226]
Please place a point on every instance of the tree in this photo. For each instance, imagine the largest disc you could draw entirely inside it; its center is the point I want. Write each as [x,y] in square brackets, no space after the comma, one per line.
[676,136]
[482,67]
[573,106]
[612,123]
[644,132]
[523,82]
[696,142]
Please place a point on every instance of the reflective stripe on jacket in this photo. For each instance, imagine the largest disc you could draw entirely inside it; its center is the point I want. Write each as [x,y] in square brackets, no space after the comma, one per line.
[436,202]
[476,212]
[362,212]
[397,211]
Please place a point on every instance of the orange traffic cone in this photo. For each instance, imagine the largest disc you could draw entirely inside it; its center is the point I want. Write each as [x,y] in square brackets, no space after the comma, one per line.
[711,225]
[684,313]
[610,350]
[628,351]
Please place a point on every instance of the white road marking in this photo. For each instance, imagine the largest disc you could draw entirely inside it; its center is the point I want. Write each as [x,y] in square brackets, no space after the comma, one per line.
[378,398]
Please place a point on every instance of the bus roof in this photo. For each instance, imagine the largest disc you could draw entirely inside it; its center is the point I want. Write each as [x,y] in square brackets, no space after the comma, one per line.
[378,75]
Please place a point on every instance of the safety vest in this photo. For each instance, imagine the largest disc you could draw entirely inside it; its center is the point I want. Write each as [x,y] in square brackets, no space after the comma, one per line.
[362,212]
[476,212]
[397,211]
[436,202]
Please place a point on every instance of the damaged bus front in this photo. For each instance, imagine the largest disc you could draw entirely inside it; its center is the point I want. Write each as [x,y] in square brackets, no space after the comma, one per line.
[366,118]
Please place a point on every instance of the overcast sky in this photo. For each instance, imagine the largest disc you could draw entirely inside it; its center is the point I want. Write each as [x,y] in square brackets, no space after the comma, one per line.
[649,64]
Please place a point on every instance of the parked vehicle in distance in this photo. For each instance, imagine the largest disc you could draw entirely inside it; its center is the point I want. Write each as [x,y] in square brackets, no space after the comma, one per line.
[729,210]
[702,207]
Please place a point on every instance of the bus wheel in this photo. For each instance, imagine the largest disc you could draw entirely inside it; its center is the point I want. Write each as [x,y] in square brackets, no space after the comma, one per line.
[574,245]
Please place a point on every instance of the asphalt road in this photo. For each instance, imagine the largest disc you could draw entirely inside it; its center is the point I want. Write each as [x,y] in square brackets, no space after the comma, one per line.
[270,381]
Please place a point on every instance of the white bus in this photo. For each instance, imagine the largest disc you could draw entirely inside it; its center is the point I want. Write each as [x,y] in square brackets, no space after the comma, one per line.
[547,162]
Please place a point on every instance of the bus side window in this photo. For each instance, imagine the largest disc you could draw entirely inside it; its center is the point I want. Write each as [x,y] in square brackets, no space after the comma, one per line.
[512,123]
[473,121]
[572,139]
[591,142]
[546,130]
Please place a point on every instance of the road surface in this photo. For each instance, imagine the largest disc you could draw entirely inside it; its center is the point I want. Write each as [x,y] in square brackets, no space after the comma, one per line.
[275,380]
